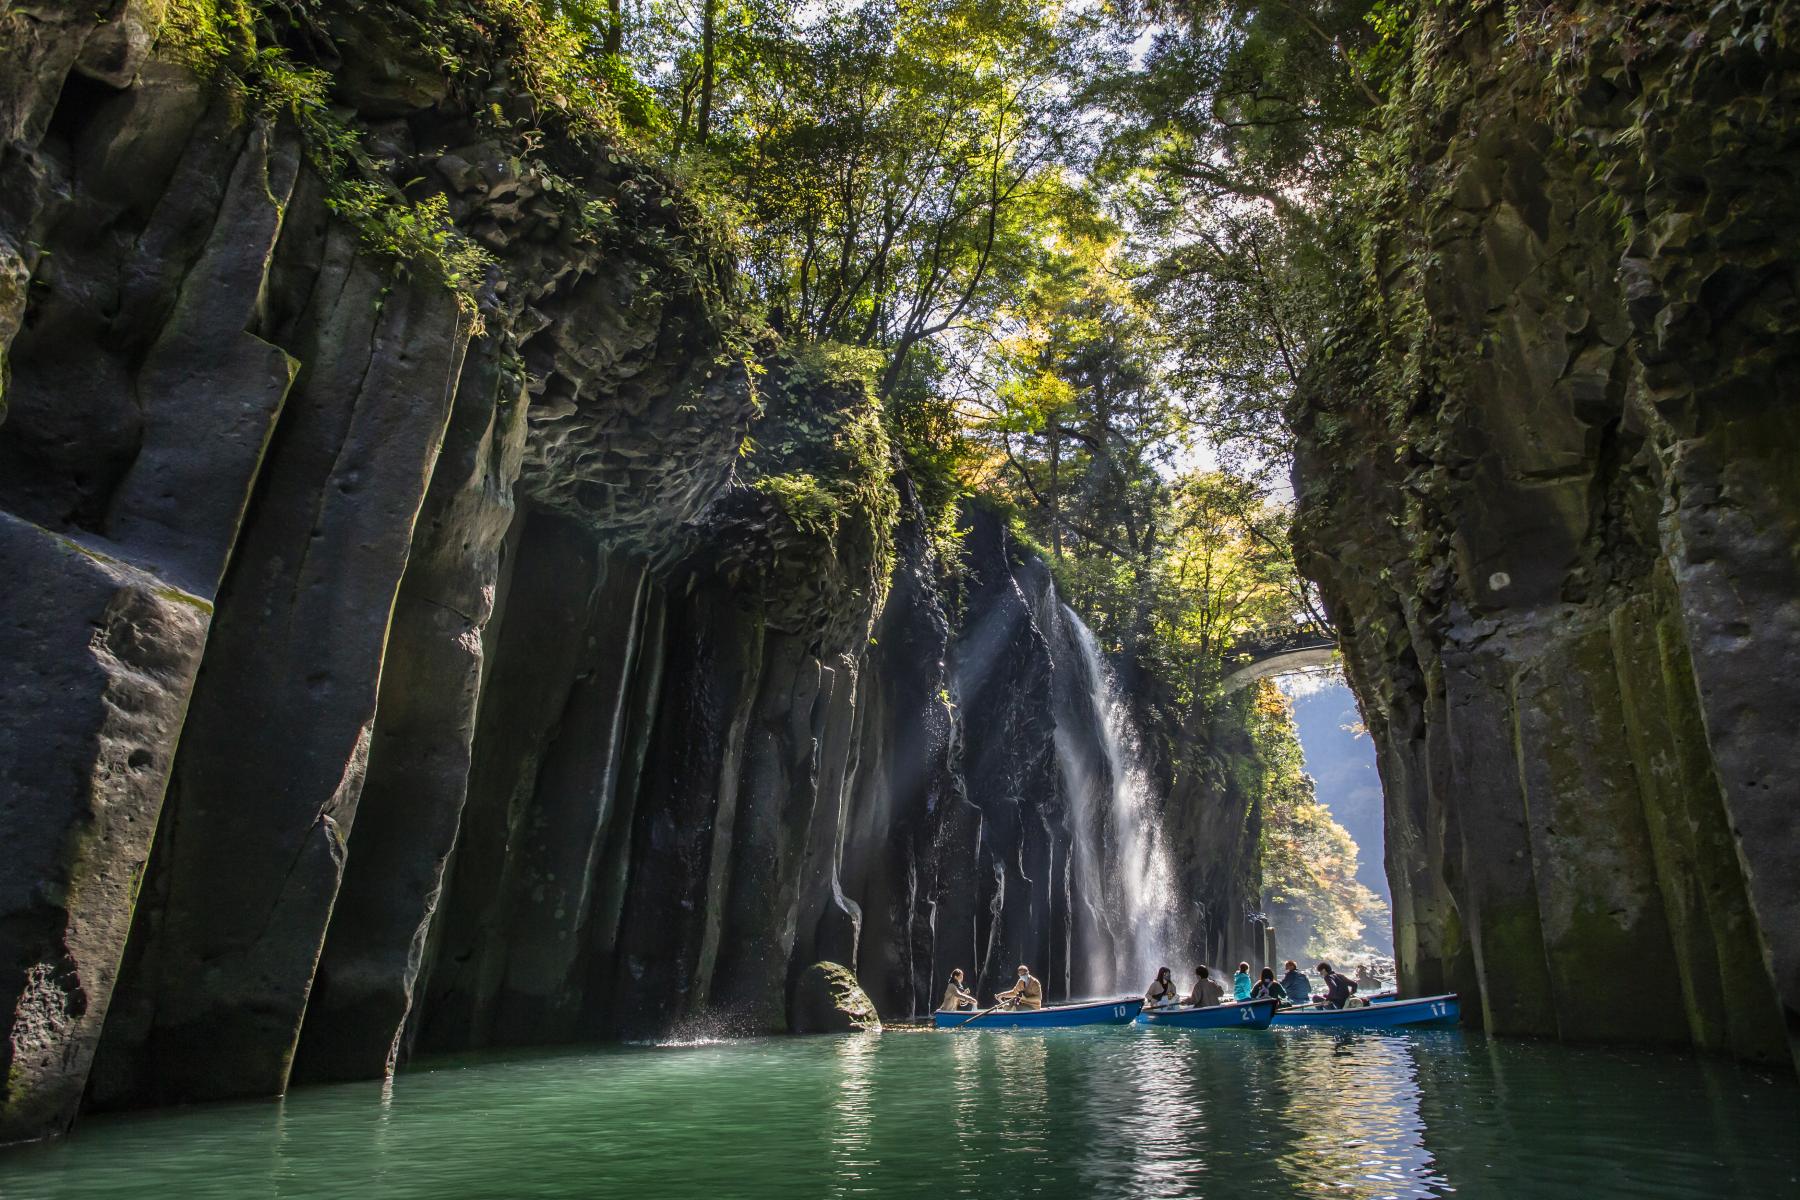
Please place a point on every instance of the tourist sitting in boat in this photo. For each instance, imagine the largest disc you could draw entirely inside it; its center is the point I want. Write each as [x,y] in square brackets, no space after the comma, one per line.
[1297,986]
[1163,991]
[1206,993]
[1267,989]
[1026,993]
[1338,989]
[956,997]
[1240,983]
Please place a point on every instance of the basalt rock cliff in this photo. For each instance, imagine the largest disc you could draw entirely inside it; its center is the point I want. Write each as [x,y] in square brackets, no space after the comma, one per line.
[432,619]
[1549,480]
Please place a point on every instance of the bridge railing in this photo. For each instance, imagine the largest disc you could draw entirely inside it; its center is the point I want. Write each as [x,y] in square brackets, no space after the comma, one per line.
[1260,643]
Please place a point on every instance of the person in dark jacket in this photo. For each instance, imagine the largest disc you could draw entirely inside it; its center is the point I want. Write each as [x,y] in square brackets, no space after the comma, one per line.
[1267,989]
[1338,989]
[1296,985]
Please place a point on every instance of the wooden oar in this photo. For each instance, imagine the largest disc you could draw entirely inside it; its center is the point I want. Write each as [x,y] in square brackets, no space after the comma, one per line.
[984,1012]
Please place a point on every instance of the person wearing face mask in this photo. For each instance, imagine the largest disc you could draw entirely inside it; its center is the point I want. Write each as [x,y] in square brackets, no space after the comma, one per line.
[1163,991]
[1026,993]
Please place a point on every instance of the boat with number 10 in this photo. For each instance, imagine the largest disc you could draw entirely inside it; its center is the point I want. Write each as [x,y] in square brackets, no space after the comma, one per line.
[1054,1016]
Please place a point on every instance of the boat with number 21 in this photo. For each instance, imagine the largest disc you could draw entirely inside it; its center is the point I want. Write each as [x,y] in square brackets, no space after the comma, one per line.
[1248,1014]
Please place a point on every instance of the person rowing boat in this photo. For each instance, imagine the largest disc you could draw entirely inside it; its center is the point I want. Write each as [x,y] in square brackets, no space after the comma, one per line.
[1026,993]
[1338,989]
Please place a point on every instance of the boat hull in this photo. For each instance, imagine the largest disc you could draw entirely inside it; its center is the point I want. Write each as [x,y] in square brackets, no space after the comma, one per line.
[1426,1010]
[1249,1014]
[1057,1016]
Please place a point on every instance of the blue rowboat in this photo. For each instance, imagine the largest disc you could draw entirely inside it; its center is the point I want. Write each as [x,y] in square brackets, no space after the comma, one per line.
[1426,1010]
[1250,1014]
[1055,1016]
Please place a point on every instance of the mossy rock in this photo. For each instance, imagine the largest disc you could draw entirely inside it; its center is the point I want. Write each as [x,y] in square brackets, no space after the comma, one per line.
[828,999]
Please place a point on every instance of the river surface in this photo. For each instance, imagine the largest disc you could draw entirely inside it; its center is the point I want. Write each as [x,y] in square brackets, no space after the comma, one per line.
[1095,1113]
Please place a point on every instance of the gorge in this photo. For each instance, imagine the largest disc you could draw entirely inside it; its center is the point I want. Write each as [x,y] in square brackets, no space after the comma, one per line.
[438,618]
[396,669]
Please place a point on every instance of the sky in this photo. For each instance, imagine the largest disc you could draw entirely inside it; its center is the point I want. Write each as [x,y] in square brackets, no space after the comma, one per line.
[1341,760]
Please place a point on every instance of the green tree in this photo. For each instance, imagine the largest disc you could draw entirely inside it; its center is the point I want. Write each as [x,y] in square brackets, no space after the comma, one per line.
[1237,149]
[1308,860]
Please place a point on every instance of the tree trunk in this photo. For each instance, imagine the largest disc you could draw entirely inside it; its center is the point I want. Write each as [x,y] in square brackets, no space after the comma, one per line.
[709,20]
[1051,431]
[615,32]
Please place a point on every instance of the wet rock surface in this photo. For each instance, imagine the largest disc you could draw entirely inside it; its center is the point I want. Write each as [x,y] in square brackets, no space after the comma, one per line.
[1546,483]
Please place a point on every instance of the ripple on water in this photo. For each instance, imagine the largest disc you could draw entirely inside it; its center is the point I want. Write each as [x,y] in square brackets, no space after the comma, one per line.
[1073,1113]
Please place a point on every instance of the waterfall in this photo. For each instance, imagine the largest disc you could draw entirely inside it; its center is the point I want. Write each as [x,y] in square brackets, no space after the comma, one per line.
[1124,873]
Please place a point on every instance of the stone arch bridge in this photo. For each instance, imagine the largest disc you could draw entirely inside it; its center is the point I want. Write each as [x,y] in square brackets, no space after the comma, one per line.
[1264,652]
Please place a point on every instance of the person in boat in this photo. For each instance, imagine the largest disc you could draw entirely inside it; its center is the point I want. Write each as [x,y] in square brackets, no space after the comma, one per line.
[1206,993]
[1162,992]
[957,997]
[1338,989]
[1240,983]
[1297,986]
[1026,993]
[1267,989]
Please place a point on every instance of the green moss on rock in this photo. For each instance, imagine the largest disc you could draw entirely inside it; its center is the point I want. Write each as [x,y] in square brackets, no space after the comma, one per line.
[828,999]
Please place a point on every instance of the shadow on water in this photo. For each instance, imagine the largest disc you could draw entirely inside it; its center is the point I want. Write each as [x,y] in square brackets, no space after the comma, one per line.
[1073,1113]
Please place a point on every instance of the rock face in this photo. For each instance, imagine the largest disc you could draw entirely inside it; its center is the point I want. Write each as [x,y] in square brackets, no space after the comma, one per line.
[403,648]
[1547,484]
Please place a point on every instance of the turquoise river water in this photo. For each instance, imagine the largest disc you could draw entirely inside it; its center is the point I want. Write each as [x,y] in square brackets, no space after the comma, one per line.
[1074,1113]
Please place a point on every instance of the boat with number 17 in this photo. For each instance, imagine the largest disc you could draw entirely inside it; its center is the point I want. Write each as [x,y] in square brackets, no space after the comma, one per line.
[1426,1010]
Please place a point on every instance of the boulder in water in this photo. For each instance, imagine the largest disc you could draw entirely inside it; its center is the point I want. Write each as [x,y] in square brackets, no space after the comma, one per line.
[828,999]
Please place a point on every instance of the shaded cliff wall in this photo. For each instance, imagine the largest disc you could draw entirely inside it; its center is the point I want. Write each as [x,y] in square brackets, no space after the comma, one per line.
[1214,832]
[1546,482]
[403,647]
[266,453]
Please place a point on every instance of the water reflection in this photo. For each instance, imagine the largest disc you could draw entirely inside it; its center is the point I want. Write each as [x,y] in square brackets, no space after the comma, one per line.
[1022,1103]
[1356,1119]
[1171,1118]
[854,1114]
[1115,1113]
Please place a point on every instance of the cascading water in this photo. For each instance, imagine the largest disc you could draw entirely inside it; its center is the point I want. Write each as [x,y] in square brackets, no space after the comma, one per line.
[1124,874]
